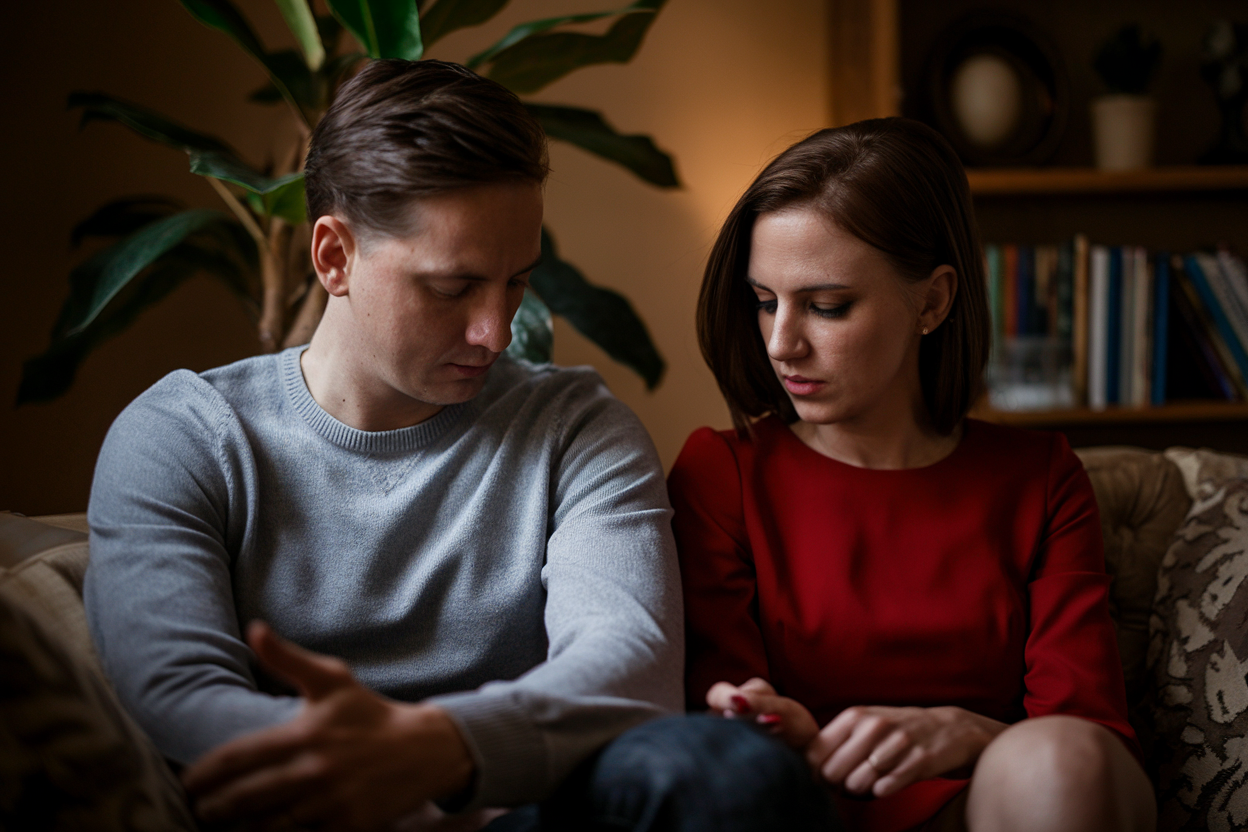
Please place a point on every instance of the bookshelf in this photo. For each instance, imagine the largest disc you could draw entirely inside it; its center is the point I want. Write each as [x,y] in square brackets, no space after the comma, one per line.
[1022,182]
[878,51]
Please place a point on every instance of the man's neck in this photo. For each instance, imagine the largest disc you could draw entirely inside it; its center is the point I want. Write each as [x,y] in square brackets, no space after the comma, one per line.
[346,390]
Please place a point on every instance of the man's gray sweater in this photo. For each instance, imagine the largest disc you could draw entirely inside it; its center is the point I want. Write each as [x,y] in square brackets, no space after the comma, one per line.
[510,559]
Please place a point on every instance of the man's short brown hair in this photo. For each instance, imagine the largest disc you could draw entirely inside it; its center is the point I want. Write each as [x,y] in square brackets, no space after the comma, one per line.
[898,186]
[402,130]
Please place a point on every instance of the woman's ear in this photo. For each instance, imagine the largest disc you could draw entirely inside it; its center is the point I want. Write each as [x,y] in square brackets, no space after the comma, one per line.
[334,252]
[942,286]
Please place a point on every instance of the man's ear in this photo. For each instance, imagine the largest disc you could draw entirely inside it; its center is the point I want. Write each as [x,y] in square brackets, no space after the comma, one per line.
[335,251]
[942,287]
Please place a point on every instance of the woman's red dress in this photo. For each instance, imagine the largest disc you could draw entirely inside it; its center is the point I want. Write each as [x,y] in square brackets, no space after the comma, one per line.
[978,581]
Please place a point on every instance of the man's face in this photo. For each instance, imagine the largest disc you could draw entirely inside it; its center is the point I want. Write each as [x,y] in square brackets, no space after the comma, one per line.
[431,311]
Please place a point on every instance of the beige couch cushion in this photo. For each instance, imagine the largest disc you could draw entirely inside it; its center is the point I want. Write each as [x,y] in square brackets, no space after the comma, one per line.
[70,757]
[1198,654]
[1142,501]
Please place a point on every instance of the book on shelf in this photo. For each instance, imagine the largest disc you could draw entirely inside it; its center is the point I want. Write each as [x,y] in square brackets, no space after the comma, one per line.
[1161,328]
[1087,324]
[1196,327]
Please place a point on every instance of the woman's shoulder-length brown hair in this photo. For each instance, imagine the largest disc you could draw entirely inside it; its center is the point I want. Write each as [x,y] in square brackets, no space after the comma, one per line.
[893,183]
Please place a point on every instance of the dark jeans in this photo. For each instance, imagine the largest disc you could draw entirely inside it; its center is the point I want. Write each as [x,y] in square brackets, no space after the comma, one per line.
[684,774]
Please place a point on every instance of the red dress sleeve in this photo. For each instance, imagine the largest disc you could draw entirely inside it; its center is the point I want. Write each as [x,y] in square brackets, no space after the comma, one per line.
[1072,660]
[723,641]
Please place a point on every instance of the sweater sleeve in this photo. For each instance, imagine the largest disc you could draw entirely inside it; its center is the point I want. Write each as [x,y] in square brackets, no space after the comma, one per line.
[158,592]
[613,614]
[717,571]
[1071,655]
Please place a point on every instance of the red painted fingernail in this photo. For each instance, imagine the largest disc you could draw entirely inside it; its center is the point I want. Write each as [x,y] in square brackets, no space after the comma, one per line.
[740,703]
[768,719]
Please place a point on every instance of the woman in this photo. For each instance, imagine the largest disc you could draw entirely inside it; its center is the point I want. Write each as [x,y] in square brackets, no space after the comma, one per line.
[915,599]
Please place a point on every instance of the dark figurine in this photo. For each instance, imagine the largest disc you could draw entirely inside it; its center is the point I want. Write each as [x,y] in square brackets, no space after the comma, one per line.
[1224,65]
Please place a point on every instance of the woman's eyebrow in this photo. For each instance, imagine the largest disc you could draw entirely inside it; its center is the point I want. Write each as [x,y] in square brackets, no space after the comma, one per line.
[818,287]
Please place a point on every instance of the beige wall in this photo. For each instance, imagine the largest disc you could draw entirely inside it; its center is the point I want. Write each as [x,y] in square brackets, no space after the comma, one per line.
[721,84]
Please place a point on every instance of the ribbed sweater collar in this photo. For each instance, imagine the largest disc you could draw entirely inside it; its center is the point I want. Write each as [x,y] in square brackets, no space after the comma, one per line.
[344,436]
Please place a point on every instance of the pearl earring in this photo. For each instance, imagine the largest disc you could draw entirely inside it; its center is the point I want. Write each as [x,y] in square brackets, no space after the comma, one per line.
[924,330]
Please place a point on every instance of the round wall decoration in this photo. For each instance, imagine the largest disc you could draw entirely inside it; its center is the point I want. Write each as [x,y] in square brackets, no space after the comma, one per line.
[998,90]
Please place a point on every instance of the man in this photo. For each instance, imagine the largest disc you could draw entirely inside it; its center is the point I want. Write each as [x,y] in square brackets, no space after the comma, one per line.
[485,545]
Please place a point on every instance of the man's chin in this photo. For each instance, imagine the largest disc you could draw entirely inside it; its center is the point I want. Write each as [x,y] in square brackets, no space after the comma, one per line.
[459,390]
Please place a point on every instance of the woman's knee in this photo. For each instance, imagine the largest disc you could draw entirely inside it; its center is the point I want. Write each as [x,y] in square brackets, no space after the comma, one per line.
[1059,772]
[1057,750]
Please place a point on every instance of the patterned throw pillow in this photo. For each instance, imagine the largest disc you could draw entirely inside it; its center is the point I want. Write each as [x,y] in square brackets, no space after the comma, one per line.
[1198,653]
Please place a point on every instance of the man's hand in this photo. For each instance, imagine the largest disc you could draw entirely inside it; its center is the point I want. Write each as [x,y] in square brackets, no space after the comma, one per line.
[757,700]
[880,751]
[351,760]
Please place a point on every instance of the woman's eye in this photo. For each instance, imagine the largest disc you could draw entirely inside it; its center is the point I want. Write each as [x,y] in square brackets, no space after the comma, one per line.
[830,311]
[768,306]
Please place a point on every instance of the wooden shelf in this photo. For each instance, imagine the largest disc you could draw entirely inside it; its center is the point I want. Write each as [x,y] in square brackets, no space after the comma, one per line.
[1193,411]
[1076,181]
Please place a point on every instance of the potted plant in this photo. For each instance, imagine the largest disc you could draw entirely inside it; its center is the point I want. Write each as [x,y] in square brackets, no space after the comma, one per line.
[258,246]
[1124,120]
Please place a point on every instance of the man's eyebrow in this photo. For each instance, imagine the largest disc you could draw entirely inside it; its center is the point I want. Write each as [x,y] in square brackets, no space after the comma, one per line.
[530,267]
[818,287]
[476,277]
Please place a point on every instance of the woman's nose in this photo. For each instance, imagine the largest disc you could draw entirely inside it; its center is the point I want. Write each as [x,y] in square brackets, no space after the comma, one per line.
[786,340]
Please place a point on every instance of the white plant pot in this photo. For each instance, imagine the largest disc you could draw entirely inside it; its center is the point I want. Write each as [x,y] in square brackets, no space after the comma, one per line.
[1123,127]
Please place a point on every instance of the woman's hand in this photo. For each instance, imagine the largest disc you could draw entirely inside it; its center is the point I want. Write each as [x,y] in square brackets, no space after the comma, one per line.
[757,700]
[880,751]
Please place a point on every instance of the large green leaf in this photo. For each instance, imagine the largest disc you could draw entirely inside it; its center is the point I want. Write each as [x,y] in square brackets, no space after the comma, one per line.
[122,217]
[330,31]
[539,59]
[302,23]
[49,375]
[385,28]
[588,130]
[287,76]
[446,16]
[601,315]
[307,90]
[321,82]
[533,27]
[532,333]
[108,272]
[96,106]
[281,197]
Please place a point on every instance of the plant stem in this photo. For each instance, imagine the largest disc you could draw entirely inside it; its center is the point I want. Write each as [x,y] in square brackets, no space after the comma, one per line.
[273,280]
[244,216]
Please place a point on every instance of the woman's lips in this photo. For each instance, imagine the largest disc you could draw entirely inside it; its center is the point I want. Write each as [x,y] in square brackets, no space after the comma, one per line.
[802,386]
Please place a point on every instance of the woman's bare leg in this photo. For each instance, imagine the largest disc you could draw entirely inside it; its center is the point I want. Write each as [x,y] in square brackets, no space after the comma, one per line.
[1059,773]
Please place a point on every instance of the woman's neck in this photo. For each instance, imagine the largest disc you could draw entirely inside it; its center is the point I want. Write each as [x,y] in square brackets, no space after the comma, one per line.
[887,444]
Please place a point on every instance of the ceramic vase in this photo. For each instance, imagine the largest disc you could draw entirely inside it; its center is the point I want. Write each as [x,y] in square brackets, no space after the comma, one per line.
[1124,128]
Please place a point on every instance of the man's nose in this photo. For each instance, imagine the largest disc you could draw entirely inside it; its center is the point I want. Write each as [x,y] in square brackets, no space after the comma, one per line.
[490,322]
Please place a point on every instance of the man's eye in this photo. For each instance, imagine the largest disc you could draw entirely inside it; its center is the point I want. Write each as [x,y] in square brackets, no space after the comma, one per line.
[449,290]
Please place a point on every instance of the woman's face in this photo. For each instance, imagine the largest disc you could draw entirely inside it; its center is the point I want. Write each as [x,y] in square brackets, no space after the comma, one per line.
[841,325]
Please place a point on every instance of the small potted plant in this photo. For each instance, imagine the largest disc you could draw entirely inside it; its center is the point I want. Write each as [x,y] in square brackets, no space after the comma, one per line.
[1124,120]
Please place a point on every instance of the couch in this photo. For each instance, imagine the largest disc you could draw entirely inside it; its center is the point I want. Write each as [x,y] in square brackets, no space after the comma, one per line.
[1174,544]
